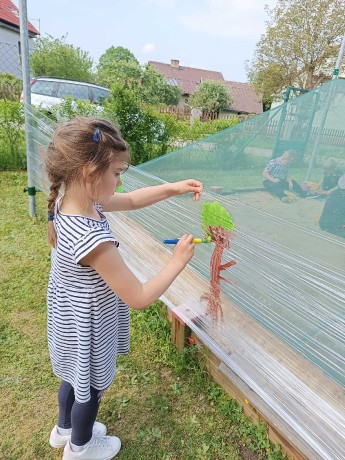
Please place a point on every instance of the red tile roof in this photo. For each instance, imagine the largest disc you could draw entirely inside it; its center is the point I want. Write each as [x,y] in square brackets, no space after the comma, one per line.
[9,14]
[245,98]
[186,77]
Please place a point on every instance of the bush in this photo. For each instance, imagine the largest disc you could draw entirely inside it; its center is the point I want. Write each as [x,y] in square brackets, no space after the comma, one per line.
[70,108]
[140,126]
[10,87]
[12,135]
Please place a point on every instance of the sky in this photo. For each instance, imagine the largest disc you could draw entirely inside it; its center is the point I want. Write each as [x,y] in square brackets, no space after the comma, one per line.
[218,35]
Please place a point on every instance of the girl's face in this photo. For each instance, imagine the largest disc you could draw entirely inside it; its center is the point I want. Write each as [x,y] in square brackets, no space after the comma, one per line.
[110,180]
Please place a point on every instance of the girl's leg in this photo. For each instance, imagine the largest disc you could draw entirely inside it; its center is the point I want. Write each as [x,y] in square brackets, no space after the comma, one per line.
[66,400]
[83,417]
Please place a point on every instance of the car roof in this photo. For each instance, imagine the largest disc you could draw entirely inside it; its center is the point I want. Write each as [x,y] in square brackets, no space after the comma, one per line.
[63,80]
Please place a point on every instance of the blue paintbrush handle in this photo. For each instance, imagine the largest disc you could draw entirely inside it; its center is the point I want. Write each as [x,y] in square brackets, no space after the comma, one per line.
[170,241]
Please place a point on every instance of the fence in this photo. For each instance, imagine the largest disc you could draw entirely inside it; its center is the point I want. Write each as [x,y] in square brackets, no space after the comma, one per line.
[10,59]
[330,136]
[184,113]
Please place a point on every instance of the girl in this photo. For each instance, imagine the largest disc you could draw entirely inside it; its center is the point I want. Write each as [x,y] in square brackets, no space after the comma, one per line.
[90,286]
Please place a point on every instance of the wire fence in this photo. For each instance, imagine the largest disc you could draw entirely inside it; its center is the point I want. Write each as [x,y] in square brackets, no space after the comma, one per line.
[10,61]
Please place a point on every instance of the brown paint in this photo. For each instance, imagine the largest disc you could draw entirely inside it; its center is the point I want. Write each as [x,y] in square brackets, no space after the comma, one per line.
[221,239]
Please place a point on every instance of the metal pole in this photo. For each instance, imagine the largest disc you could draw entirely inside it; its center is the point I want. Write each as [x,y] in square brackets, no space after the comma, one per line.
[340,58]
[24,49]
[325,112]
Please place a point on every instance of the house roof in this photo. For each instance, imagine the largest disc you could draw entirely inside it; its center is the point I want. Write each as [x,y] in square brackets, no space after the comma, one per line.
[187,78]
[245,98]
[9,14]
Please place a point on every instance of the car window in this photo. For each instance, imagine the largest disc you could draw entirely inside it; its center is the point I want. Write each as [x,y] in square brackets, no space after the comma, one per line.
[75,90]
[99,94]
[46,88]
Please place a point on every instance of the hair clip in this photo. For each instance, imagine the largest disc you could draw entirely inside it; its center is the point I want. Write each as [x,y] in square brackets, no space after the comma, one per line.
[50,217]
[97,134]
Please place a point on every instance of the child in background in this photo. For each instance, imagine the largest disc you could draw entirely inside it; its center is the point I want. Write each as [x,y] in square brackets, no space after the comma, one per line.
[330,178]
[332,219]
[90,286]
[276,177]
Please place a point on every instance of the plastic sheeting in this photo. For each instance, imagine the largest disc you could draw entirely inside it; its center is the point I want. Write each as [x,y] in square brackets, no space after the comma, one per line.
[284,305]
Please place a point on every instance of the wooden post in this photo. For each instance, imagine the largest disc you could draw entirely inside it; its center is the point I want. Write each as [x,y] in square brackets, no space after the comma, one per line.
[180,332]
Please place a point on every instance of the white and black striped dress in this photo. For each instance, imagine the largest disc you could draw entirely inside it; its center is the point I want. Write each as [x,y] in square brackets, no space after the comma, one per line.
[88,325]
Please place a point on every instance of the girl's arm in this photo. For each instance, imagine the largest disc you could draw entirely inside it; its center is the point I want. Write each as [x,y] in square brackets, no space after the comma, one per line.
[267,176]
[107,261]
[149,195]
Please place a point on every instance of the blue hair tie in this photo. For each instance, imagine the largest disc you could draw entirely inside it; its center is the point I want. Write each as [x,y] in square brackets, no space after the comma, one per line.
[97,135]
[50,217]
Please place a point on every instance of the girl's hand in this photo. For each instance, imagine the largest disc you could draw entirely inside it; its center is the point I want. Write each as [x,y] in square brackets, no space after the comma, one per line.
[184,250]
[189,186]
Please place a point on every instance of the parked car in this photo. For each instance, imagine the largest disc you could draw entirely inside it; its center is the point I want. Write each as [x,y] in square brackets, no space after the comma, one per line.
[47,92]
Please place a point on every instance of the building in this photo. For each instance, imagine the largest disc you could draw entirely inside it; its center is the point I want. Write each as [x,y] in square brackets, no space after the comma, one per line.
[245,99]
[10,38]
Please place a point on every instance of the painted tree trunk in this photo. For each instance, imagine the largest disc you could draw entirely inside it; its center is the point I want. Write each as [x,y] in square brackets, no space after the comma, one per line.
[221,240]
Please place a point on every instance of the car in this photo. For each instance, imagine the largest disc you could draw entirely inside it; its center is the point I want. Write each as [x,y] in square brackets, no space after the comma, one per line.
[47,91]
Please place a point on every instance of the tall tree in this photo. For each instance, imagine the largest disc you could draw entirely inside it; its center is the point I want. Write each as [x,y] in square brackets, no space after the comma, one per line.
[119,65]
[211,96]
[299,47]
[53,57]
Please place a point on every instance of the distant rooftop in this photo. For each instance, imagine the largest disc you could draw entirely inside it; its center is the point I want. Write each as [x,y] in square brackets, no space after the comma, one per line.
[245,98]
[188,78]
[9,15]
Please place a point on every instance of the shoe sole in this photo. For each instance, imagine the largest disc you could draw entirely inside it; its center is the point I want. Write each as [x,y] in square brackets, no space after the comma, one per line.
[105,458]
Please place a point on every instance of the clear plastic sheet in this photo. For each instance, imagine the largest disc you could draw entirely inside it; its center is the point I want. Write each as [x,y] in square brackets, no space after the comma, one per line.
[284,305]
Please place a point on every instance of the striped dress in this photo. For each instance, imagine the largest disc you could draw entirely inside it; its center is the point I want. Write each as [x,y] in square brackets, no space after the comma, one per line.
[88,325]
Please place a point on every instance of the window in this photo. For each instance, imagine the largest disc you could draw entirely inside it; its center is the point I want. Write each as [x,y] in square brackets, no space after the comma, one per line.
[45,88]
[99,94]
[75,90]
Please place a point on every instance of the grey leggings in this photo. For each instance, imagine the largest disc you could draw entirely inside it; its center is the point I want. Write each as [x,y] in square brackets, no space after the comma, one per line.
[79,417]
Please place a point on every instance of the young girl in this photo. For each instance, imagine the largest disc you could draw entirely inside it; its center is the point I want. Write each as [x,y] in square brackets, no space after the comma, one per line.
[90,285]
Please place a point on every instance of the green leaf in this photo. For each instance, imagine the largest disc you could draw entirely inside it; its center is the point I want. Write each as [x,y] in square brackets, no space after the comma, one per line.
[213,214]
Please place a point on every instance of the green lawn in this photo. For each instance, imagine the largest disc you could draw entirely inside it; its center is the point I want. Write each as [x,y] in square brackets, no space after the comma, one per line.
[162,404]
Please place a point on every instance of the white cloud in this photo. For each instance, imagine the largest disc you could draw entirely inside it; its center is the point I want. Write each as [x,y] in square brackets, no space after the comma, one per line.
[228,18]
[149,48]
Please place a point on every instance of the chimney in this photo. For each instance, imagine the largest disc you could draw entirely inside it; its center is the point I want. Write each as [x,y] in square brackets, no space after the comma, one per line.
[175,63]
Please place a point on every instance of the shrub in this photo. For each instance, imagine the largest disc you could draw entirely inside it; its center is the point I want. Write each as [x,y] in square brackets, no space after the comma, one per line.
[10,87]
[12,135]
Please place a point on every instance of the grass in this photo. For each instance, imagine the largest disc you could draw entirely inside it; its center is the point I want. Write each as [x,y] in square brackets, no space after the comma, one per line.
[162,404]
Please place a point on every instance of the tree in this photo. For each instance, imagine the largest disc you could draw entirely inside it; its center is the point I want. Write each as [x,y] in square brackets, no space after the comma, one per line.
[299,47]
[55,58]
[156,90]
[119,65]
[211,96]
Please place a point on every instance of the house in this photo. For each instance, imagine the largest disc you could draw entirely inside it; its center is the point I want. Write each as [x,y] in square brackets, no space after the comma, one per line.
[245,99]
[10,38]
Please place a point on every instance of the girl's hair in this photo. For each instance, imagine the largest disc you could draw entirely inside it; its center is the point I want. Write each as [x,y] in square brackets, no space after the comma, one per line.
[91,142]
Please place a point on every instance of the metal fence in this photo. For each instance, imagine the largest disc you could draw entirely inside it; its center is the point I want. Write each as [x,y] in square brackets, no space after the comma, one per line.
[10,61]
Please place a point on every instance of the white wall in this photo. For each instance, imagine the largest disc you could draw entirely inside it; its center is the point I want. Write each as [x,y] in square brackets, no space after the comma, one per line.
[9,51]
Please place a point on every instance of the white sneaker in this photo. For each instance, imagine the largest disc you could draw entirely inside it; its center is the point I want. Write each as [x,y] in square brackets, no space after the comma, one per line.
[58,440]
[98,448]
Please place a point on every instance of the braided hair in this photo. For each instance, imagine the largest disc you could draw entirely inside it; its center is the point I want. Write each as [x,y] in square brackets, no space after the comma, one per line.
[81,141]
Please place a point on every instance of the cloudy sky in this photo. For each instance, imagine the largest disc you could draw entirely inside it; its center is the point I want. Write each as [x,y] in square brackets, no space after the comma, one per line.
[208,34]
